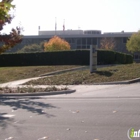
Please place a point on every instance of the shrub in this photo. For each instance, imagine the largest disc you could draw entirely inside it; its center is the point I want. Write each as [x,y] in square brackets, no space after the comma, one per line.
[106,57]
[72,57]
[32,48]
[123,58]
[56,43]
[120,58]
[129,59]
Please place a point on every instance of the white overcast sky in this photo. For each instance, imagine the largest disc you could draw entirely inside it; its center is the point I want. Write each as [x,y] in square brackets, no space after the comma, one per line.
[104,15]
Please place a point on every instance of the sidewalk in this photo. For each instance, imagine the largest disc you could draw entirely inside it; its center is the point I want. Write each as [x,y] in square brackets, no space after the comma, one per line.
[17,82]
[105,91]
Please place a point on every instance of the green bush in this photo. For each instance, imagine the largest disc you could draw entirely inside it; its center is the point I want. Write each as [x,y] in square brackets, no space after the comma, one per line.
[129,59]
[123,58]
[105,57]
[32,48]
[120,58]
[71,57]
[77,57]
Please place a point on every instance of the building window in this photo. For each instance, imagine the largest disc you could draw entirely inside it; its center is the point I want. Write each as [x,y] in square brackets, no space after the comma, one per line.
[94,41]
[125,40]
[83,40]
[89,41]
[88,47]
[83,47]
[68,40]
[137,56]
[72,40]
[78,47]
[79,41]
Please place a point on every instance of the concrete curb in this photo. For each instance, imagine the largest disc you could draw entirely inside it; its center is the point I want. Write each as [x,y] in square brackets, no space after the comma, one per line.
[63,71]
[119,82]
[38,93]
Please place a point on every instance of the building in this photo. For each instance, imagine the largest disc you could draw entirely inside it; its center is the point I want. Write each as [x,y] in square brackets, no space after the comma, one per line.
[80,39]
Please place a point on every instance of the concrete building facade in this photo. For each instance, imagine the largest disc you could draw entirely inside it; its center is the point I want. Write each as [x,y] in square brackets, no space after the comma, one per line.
[80,39]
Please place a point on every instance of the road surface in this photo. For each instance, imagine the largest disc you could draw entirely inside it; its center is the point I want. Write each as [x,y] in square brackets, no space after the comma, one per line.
[91,113]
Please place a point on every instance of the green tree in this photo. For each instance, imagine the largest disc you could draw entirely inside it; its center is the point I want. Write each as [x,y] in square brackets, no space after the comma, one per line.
[133,44]
[8,40]
[32,48]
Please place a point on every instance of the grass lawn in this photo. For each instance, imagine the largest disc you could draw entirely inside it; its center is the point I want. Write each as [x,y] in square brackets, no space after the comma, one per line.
[106,74]
[8,74]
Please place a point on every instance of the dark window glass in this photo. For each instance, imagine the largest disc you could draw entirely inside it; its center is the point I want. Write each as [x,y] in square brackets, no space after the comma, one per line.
[78,47]
[68,40]
[47,39]
[88,47]
[94,41]
[89,41]
[72,40]
[83,40]
[84,47]
[136,56]
[79,41]
[125,40]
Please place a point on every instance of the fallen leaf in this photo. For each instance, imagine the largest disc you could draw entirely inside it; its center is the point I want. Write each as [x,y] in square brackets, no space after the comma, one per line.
[9,138]
[77,111]
[16,122]
[8,115]
[114,111]
[73,112]
[43,138]
[68,129]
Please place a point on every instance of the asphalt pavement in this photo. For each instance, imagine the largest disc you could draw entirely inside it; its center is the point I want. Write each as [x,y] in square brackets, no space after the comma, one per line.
[93,112]
[101,113]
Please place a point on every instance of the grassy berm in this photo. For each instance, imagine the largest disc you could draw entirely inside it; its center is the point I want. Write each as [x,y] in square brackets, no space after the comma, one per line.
[8,74]
[106,74]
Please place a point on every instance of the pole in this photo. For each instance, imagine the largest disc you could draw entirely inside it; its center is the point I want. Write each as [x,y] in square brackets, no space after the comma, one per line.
[64,25]
[91,59]
[55,25]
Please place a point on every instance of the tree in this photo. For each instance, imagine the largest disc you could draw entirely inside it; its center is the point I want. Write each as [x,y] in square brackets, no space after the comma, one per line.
[133,43]
[55,44]
[32,48]
[8,40]
[107,43]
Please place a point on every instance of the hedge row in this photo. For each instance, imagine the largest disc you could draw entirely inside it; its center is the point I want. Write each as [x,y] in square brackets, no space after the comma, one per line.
[123,58]
[73,57]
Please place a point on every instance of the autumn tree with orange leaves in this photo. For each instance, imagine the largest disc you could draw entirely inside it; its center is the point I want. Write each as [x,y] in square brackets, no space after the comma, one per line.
[14,37]
[107,43]
[55,44]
